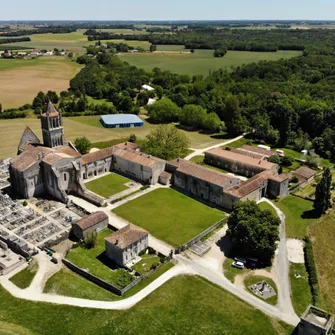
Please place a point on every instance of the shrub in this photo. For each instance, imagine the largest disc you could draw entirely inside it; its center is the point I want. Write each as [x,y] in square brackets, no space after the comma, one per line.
[144,187]
[294,180]
[91,240]
[25,203]
[154,266]
[287,161]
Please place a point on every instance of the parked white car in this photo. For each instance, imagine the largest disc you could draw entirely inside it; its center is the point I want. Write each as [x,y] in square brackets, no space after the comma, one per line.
[238,265]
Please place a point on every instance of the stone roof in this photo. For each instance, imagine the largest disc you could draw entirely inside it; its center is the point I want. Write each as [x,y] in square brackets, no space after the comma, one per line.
[165,175]
[247,153]
[250,185]
[239,158]
[137,157]
[126,236]
[28,137]
[280,178]
[127,145]
[304,172]
[205,174]
[51,110]
[97,155]
[262,151]
[91,220]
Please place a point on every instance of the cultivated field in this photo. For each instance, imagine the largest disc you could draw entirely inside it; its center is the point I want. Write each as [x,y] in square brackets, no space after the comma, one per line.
[11,132]
[209,310]
[21,80]
[202,61]
[169,215]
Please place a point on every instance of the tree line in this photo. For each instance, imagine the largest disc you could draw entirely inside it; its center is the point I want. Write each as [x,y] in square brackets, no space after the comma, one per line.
[14,40]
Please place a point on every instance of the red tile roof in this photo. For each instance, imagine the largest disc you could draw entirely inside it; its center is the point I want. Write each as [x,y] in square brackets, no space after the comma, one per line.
[264,152]
[238,158]
[126,236]
[91,220]
[97,155]
[304,172]
[127,145]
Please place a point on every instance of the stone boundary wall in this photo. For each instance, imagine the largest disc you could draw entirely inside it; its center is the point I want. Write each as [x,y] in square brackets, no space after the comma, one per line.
[204,233]
[108,286]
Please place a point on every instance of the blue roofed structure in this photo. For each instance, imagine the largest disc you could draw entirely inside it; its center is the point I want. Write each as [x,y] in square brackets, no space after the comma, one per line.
[121,121]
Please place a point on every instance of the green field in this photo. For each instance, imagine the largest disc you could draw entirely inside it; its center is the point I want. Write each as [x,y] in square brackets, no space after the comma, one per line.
[97,263]
[300,289]
[299,215]
[184,305]
[108,185]
[264,205]
[202,61]
[24,278]
[169,215]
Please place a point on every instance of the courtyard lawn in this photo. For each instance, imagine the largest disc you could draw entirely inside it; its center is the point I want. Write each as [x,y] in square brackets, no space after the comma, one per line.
[251,280]
[108,185]
[169,215]
[322,235]
[201,61]
[203,308]
[200,160]
[299,215]
[300,289]
[96,262]
[264,205]
[145,264]
[24,278]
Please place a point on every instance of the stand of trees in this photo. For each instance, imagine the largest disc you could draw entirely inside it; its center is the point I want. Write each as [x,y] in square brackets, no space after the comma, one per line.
[14,40]
[322,200]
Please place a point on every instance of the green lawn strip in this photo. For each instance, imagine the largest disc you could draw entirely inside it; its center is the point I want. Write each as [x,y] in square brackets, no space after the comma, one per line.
[299,215]
[96,262]
[264,205]
[24,278]
[237,144]
[183,305]
[169,215]
[231,272]
[145,264]
[200,160]
[13,329]
[108,185]
[300,289]
[252,279]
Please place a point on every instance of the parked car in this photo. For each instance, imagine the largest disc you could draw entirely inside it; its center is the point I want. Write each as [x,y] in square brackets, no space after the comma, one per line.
[240,259]
[238,265]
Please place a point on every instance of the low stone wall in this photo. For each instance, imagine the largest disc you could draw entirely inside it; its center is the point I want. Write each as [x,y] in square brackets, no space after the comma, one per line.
[204,233]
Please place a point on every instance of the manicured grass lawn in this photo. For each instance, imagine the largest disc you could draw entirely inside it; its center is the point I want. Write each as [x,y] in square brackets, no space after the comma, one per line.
[264,205]
[108,185]
[169,215]
[322,235]
[299,215]
[202,61]
[184,305]
[24,278]
[145,264]
[237,144]
[300,289]
[230,272]
[308,190]
[200,160]
[97,263]
[251,280]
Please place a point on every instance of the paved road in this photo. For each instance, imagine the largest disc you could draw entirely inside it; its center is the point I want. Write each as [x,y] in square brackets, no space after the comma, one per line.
[199,152]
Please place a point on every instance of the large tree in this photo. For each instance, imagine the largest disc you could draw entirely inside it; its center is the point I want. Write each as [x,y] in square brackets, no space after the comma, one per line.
[166,142]
[322,194]
[164,111]
[83,145]
[254,232]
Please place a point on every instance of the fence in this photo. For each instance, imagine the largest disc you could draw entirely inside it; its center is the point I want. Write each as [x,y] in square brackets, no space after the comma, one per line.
[204,233]
[108,286]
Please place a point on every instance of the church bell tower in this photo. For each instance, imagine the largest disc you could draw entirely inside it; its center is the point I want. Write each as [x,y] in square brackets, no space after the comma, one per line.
[52,127]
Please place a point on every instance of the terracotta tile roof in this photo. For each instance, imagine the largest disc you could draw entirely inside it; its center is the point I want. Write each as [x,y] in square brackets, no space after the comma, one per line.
[165,175]
[280,178]
[91,220]
[126,236]
[127,145]
[137,157]
[250,185]
[97,155]
[258,150]
[247,153]
[238,158]
[201,172]
[305,172]
[68,151]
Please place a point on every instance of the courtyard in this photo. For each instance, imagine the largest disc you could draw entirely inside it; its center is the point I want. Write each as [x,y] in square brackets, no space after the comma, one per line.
[169,215]
[108,185]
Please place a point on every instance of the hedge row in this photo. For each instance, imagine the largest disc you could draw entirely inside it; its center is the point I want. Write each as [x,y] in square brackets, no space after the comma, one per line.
[311,269]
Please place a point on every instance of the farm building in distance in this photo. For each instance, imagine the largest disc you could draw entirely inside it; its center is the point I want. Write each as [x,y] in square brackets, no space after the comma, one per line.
[121,121]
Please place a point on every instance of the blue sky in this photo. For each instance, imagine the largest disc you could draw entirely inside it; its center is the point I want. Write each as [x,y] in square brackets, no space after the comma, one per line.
[166,10]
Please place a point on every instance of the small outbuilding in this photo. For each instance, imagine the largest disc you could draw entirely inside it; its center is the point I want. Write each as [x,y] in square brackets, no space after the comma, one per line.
[121,121]
[147,88]
[125,245]
[96,221]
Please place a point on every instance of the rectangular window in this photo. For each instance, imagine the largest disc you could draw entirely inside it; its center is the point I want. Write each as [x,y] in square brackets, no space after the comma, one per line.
[64,176]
